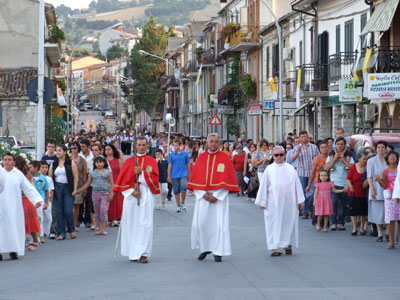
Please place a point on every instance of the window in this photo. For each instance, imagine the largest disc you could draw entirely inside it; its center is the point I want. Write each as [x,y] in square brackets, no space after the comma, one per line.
[349,36]
[267,60]
[275,60]
[363,22]
[337,38]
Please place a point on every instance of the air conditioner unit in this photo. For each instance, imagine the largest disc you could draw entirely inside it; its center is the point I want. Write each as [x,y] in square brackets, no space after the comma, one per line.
[287,53]
[370,112]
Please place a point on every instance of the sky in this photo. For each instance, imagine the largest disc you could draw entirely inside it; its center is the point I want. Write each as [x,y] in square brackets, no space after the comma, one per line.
[71,3]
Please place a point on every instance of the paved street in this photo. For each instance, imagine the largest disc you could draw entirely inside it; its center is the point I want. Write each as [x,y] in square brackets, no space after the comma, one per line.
[331,265]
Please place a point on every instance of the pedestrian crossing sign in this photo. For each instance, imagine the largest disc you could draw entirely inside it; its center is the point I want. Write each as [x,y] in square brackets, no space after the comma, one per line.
[215,120]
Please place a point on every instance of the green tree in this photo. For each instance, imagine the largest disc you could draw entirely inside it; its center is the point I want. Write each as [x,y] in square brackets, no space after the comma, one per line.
[80,52]
[115,51]
[146,70]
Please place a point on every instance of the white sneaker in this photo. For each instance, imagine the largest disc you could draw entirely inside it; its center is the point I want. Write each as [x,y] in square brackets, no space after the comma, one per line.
[183,207]
[157,207]
[163,205]
[178,209]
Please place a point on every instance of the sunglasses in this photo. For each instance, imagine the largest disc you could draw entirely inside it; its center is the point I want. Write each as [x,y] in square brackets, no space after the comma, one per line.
[74,148]
[279,154]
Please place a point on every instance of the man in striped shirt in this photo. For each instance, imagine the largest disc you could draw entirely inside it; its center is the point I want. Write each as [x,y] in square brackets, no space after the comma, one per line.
[305,152]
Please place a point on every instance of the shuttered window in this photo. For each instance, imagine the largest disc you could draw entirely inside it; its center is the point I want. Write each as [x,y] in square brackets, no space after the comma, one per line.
[337,38]
[363,22]
[349,36]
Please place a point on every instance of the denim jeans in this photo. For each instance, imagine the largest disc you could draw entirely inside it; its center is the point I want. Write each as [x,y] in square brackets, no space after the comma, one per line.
[339,201]
[308,203]
[64,203]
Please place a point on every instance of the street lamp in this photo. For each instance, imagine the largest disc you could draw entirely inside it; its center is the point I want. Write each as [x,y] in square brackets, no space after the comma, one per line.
[69,65]
[177,74]
[279,29]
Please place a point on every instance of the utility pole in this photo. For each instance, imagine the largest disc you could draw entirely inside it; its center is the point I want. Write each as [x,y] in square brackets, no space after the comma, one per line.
[40,110]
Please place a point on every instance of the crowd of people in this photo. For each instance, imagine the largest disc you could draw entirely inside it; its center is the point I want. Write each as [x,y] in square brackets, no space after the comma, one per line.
[86,182]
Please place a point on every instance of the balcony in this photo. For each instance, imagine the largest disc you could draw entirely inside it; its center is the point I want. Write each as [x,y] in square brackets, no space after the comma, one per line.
[191,68]
[208,58]
[387,59]
[341,66]
[243,40]
[314,80]
[168,81]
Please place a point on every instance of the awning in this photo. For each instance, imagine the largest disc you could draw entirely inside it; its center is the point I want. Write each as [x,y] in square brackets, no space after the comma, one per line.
[301,107]
[382,17]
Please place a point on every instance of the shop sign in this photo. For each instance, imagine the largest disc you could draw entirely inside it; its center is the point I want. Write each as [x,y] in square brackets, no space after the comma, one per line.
[255,109]
[383,86]
[348,91]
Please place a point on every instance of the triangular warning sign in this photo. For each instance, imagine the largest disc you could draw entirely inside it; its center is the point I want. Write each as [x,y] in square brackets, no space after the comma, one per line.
[215,120]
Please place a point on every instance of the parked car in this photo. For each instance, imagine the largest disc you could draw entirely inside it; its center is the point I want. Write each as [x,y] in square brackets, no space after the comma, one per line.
[368,138]
[88,105]
[11,140]
[100,107]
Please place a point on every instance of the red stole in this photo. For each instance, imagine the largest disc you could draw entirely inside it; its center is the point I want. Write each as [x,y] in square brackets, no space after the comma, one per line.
[213,171]
[127,178]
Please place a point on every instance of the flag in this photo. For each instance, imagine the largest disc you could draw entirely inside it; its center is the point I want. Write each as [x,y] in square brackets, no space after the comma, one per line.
[199,74]
[272,86]
[60,97]
[298,87]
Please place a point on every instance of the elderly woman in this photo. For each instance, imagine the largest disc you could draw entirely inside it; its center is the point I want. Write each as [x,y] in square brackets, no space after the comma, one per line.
[356,191]
[376,208]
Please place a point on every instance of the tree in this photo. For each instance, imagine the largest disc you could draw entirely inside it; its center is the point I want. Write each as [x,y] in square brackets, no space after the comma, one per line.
[80,52]
[115,51]
[146,70]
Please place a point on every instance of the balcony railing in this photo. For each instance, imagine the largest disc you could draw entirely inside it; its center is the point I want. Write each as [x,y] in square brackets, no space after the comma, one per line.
[208,57]
[246,34]
[314,77]
[190,67]
[388,59]
[341,66]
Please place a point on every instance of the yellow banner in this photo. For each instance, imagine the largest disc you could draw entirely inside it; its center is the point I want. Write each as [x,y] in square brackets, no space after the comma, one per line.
[272,86]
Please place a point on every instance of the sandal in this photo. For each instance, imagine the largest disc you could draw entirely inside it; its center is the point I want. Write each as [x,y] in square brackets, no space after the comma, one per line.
[34,246]
[276,253]
[318,228]
[380,239]
[390,246]
[325,230]
[73,235]
[60,238]
[143,260]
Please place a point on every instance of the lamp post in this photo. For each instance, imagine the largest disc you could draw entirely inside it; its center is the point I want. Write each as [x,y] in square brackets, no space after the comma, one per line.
[279,29]
[177,75]
[70,71]
[40,110]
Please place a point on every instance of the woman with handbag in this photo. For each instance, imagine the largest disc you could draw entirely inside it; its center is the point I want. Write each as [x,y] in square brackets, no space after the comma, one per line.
[356,191]
[253,184]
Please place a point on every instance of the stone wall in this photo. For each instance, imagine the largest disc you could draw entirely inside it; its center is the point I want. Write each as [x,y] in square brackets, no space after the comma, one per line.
[19,120]
[324,123]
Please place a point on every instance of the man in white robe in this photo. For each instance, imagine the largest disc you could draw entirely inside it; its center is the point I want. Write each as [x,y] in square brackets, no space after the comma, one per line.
[12,221]
[280,195]
[212,179]
[138,208]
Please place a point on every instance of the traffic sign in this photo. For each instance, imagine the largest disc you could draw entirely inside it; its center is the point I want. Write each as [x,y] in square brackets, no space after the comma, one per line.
[215,120]
[48,92]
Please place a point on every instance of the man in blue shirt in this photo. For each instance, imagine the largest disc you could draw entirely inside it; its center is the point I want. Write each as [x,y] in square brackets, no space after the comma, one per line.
[178,173]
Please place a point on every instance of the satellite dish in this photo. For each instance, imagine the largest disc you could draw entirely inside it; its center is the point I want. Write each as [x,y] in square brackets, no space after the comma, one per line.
[200,37]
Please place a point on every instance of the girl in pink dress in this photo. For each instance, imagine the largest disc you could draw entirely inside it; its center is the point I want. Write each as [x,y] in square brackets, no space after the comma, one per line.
[392,207]
[322,199]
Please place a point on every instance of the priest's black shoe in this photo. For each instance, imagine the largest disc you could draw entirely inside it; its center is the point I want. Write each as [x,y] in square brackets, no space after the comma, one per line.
[1,257]
[203,255]
[217,258]
[13,255]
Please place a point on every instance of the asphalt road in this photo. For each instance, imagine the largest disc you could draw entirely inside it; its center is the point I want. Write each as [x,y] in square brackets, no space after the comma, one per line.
[333,265]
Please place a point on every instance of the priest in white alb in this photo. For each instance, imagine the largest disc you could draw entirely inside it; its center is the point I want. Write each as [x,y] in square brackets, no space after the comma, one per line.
[212,179]
[280,195]
[12,221]
[139,195]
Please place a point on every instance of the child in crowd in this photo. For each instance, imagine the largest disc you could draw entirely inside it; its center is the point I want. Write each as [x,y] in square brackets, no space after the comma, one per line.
[102,183]
[47,215]
[42,186]
[322,199]
[345,153]
[163,178]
